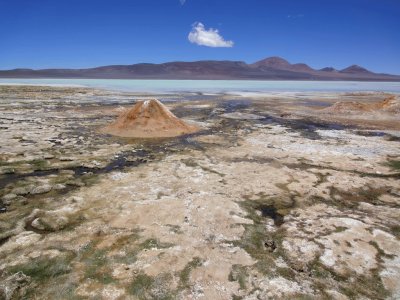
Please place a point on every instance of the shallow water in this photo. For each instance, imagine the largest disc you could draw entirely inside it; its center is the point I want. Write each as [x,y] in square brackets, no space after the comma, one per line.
[216,86]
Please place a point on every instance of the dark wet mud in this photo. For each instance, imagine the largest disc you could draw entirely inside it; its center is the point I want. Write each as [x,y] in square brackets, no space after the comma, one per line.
[271,212]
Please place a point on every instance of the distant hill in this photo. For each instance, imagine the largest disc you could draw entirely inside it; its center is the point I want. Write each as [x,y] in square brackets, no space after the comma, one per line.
[328,69]
[272,68]
[354,69]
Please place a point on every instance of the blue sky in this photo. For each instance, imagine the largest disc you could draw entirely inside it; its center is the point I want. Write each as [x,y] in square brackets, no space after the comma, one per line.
[86,33]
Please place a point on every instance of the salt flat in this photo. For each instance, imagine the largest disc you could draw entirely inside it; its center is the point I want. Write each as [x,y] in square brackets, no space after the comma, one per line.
[275,197]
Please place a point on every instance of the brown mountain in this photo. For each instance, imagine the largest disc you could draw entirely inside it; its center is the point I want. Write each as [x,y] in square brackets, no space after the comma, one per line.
[278,63]
[272,68]
[354,69]
[274,62]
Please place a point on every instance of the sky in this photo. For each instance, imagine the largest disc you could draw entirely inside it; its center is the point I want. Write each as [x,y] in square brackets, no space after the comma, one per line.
[88,33]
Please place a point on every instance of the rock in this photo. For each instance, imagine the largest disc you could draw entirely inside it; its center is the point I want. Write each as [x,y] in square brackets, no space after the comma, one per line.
[75,182]
[51,220]
[37,224]
[21,191]
[270,245]
[41,189]
[22,240]
[7,170]
[9,197]
[14,286]
[7,201]
[66,158]
[59,186]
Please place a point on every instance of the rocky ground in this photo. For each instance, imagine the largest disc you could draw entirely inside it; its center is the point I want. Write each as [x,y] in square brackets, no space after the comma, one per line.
[270,200]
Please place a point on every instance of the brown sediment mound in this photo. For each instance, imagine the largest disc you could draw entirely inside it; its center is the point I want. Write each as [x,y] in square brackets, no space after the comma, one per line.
[390,104]
[149,119]
[348,107]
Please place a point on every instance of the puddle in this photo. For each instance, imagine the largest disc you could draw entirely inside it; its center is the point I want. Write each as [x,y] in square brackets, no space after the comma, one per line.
[306,128]
[271,212]
[234,105]
[374,133]
[118,163]
[152,148]
[369,133]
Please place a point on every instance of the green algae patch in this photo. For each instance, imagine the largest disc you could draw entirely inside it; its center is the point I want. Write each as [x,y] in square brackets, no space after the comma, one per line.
[39,164]
[193,164]
[239,273]
[44,269]
[184,275]
[145,287]
[140,286]
[256,240]
[96,267]
[154,243]
[97,262]
[394,164]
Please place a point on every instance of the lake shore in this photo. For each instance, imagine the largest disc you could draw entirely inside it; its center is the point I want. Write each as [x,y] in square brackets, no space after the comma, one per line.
[213,87]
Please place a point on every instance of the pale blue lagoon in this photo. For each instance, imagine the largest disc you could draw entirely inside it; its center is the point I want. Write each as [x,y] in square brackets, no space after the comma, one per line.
[215,86]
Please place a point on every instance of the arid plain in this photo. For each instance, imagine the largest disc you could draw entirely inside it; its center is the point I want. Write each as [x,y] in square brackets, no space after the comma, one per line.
[279,196]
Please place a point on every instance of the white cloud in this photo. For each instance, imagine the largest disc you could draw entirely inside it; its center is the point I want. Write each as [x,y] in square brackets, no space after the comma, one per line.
[182,1]
[210,38]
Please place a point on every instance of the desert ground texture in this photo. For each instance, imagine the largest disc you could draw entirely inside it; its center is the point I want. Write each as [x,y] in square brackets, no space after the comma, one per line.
[278,196]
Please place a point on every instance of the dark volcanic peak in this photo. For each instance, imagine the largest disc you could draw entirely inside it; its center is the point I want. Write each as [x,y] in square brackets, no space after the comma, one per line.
[355,69]
[278,63]
[328,69]
[22,69]
[301,67]
[272,62]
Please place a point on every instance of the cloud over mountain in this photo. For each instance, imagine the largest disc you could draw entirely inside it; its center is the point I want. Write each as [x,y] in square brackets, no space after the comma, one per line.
[207,37]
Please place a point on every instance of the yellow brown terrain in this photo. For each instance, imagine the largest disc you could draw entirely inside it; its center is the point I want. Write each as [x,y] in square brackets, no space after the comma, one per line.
[275,197]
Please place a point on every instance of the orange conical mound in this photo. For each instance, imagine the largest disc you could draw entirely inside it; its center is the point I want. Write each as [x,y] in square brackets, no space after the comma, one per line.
[148,119]
[390,104]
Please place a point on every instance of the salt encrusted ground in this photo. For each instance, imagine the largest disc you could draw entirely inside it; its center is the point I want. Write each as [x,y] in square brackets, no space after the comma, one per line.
[282,206]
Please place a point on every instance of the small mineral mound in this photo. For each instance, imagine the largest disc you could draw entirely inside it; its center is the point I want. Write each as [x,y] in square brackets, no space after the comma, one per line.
[390,104]
[148,119]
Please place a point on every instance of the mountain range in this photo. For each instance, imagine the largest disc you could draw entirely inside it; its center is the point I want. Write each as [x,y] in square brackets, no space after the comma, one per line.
[272,68]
